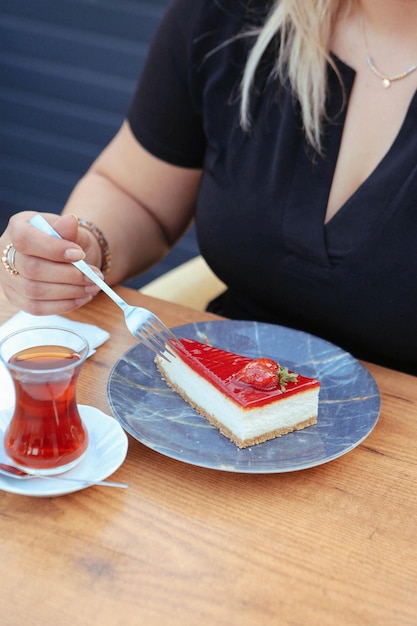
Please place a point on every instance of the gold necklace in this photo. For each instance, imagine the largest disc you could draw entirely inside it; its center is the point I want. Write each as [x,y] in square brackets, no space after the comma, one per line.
[385,80]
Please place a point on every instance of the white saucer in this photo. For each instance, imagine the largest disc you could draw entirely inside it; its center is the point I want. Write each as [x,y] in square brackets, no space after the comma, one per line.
[106,451]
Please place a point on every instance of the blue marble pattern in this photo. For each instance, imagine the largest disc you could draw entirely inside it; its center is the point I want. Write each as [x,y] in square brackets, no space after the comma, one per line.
[150,411]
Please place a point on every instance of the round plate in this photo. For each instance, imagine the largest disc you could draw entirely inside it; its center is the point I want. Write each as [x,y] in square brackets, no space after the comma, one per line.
[154,414]
[107,449]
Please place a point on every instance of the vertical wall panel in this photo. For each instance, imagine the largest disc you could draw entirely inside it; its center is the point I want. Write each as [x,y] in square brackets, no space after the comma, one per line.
[67,71]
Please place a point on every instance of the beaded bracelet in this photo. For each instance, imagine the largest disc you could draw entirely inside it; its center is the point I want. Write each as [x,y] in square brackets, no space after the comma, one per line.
[104,246]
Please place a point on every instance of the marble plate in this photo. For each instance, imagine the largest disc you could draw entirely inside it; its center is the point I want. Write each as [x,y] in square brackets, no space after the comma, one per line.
[151,412]
[107,449]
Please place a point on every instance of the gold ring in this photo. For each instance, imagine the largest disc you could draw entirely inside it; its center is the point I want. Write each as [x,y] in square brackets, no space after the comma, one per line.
[7,259]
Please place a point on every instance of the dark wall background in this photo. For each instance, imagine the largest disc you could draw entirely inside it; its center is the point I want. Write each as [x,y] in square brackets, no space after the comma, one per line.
[67,71]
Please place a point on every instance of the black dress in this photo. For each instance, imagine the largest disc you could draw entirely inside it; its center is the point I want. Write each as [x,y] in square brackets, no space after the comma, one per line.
[263,195]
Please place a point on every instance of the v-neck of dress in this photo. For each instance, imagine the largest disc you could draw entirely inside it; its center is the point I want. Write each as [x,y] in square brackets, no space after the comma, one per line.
[328,243]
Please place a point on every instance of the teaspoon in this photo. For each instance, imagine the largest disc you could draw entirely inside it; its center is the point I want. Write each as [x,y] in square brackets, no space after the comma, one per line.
[14,472]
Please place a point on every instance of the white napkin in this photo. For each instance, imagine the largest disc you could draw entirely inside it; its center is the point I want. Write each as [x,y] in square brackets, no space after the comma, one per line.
[95,336]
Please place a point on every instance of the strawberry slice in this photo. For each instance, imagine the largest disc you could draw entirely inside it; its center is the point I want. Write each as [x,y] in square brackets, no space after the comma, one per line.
[260,373]
[265,374]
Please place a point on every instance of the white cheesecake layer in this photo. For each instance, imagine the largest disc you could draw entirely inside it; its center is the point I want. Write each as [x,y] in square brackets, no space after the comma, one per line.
[245,424]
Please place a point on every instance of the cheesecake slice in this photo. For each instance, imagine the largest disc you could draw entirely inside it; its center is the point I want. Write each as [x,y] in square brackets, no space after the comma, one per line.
[249,400]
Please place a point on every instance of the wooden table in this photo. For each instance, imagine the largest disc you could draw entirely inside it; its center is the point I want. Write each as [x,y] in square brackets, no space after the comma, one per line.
[334,545]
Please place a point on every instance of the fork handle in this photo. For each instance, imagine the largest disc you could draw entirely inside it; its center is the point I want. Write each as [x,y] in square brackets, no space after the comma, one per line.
[41,224]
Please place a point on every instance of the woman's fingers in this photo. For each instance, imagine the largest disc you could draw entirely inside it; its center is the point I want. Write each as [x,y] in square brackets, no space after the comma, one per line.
[45,307]
[42,270]
[46,281]
[32,242]
[41,297]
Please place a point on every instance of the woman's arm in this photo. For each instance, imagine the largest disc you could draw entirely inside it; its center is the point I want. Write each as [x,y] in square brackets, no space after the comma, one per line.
[140,203]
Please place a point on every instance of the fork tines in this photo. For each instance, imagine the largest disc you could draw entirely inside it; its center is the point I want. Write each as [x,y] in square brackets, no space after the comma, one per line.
[156,336]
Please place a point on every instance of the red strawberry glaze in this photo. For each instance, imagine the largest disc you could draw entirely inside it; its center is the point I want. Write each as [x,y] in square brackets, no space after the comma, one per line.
[218,367]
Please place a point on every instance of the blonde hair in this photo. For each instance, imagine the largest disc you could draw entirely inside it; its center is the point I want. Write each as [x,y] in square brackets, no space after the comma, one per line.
[304,28]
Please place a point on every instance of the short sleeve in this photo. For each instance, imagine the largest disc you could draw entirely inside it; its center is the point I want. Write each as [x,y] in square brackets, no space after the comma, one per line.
[163,114]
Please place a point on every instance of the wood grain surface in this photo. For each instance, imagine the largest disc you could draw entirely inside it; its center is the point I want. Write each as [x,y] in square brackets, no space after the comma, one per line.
[333,545]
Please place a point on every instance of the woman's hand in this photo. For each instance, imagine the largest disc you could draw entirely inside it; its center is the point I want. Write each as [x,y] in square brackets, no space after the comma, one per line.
[46,281]
[141,204]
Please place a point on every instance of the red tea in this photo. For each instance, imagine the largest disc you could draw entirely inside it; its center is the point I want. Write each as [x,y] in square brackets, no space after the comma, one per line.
[46,430]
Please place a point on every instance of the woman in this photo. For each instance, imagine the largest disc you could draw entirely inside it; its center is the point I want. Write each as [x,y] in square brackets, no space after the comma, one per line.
[286,130]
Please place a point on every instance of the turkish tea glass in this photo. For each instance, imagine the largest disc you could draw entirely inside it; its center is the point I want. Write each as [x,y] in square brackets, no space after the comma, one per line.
[46,434]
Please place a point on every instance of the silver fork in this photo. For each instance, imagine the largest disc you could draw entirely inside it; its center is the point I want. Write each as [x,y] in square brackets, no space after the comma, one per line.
[144,325]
